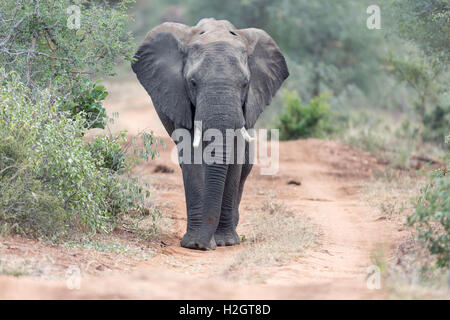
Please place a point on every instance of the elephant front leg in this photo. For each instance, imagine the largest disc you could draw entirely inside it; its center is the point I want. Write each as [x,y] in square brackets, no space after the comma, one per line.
[193,187]
[226,234]
[246,168]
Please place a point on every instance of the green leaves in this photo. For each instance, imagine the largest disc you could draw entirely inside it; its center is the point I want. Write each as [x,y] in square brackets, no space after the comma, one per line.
[86,99]
[432,216]
[303,121]
[423,22]
[46,53]
[52,183]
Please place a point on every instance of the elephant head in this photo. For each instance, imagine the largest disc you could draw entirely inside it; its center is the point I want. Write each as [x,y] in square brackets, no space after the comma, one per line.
[211,73]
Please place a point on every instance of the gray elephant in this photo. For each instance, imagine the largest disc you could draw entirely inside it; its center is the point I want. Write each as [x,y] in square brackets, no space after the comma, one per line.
[224,78]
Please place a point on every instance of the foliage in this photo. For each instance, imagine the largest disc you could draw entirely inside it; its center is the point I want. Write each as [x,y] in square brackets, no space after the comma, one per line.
[109,151]
[427,80]
[86,99]
[303,121]
[423,65]
[424,22]
[432,215]
[119,154]
[37,43]
[51,182]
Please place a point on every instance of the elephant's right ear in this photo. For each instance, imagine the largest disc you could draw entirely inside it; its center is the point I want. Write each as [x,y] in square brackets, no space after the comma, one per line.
[159,68]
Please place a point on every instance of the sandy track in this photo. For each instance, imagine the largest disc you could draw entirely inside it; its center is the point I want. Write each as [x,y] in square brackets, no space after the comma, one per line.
[330,176]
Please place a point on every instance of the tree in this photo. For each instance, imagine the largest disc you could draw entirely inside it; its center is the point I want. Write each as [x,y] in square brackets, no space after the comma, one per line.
[424,22]
[424,26]
[40,42]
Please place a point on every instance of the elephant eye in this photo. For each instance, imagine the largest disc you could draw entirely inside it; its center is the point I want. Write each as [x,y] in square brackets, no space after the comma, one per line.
[193,83]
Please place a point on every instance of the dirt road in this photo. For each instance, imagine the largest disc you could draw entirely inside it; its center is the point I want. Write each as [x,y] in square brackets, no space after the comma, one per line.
[330,176]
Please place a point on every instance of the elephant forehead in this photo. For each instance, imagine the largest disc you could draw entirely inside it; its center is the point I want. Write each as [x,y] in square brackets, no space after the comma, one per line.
[218,41]
[210,31]
[214,36]
[219,53]
[208,24]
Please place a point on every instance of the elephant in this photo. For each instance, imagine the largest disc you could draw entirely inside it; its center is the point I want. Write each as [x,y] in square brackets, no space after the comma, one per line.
[223,78]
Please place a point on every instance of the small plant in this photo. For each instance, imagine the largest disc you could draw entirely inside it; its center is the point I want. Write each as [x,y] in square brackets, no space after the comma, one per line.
[303,121]
[432,216]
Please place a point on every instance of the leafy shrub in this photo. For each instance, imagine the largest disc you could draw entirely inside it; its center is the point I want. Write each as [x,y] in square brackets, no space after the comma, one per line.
[303,121]
[86,99]
[432,215]
[51,182]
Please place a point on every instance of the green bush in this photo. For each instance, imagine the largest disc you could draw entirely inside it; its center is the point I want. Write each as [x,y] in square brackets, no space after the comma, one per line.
[303,121]
[432,215]
[86,99]
[51,181]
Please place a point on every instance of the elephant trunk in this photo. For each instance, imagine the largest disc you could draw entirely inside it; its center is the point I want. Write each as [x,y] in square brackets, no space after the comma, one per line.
[220,112]
[215,177]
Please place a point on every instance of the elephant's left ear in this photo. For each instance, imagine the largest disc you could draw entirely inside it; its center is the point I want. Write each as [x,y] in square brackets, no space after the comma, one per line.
[268,70]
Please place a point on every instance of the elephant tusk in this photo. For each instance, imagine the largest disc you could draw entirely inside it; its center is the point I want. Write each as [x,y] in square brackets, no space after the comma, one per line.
[246,136]
[197,137]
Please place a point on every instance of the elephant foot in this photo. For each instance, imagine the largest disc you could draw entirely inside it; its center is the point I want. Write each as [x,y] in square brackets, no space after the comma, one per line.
[226,238]
[190,240]
[204,245]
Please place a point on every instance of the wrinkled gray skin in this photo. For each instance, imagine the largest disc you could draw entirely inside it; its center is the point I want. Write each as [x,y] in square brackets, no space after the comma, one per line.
[223,77]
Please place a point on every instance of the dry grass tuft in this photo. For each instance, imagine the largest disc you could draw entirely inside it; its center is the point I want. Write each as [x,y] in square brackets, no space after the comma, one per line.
[276,235]
[392,193]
